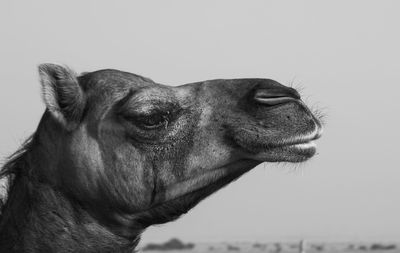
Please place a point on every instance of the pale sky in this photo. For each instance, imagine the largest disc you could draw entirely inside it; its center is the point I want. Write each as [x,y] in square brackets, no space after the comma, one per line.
[345,55]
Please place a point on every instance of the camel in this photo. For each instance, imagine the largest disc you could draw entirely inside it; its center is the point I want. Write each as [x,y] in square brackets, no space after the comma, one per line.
[115,153]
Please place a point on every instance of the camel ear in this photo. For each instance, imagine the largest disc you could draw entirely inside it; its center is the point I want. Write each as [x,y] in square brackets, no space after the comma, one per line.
[62,94]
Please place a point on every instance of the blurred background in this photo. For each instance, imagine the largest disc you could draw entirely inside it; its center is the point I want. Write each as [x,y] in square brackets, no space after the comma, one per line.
[343,54]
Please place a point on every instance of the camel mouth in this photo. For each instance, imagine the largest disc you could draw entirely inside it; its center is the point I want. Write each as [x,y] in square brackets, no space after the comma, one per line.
[301,147]
[295,149]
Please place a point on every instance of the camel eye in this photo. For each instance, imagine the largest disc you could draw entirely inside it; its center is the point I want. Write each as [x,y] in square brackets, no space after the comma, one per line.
[153,121]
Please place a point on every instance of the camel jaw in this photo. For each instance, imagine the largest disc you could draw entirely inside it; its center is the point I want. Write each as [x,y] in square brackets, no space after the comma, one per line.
[172,208]
[206,178]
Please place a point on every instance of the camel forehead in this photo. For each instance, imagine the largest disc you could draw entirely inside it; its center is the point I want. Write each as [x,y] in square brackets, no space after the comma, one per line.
[111,79]
[106,87]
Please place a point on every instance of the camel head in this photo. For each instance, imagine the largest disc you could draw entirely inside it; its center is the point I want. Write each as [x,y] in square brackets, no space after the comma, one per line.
[137,153]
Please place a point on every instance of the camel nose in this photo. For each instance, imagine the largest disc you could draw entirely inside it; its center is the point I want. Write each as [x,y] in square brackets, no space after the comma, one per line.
[273,93]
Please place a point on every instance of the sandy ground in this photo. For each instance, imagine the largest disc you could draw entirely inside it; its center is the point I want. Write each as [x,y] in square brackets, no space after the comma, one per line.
[283,248]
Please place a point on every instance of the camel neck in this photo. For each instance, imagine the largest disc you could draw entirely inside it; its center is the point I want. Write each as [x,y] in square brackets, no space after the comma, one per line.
[38,218]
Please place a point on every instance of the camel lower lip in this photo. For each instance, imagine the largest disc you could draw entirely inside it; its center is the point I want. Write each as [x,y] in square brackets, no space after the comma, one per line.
[305,145]
[304,149]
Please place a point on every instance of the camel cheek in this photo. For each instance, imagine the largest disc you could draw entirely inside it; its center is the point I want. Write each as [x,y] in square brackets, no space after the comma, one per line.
[131,175]
[84,164]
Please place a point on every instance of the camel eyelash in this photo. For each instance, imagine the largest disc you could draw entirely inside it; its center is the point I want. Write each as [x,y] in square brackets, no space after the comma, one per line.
[153,121]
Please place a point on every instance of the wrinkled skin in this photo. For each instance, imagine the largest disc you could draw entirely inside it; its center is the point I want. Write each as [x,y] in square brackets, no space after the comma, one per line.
[152,144]
[137,153]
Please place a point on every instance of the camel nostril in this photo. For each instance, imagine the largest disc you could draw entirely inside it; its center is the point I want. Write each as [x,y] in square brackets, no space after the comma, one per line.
[275,95]
[273,100]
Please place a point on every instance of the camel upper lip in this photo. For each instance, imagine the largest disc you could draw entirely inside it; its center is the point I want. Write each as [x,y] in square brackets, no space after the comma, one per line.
[302,139]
